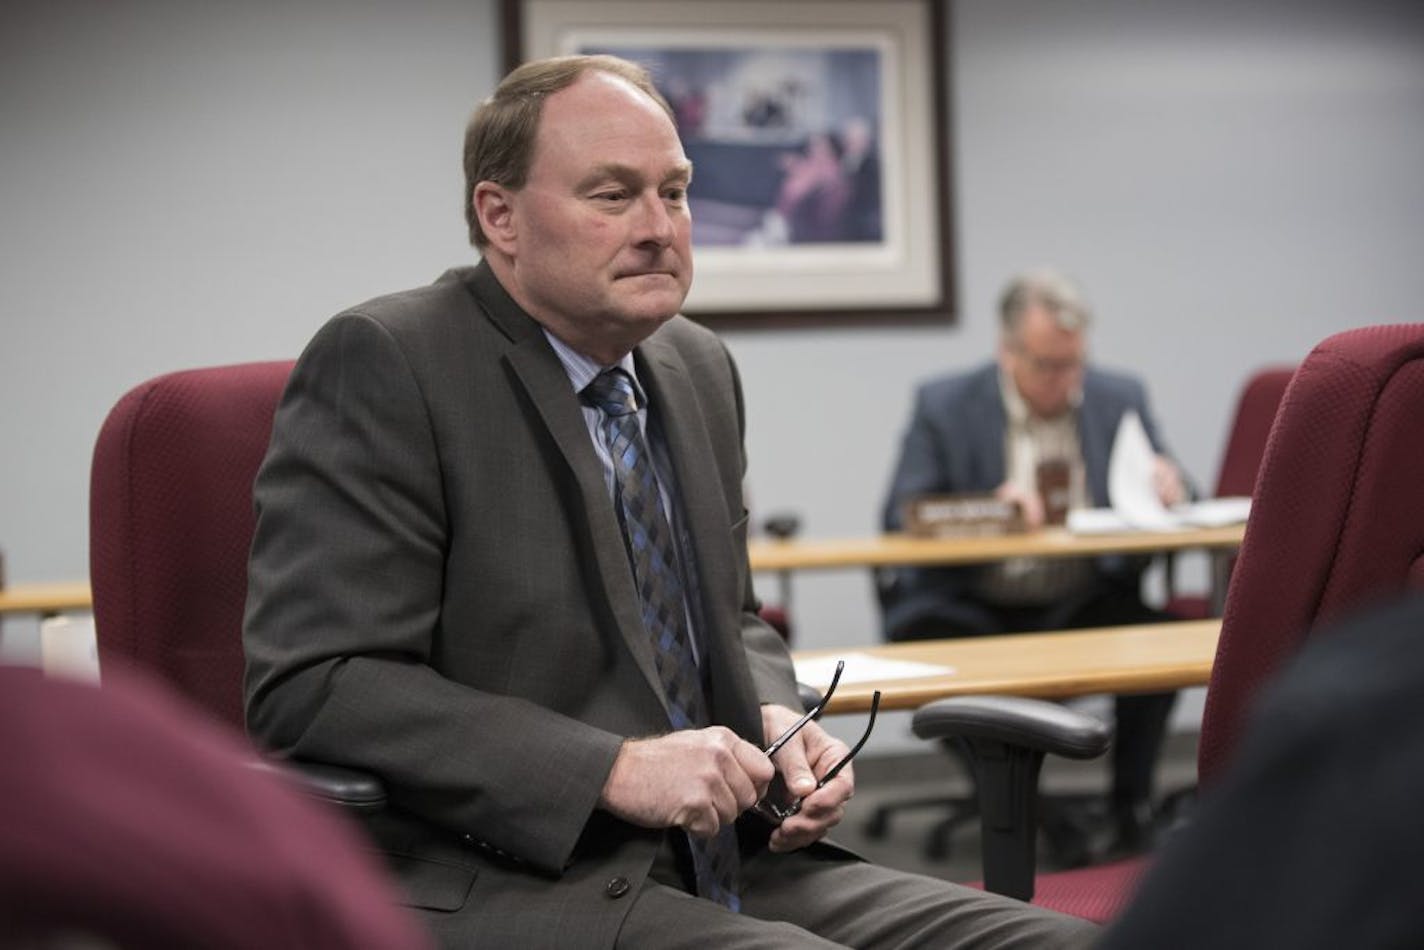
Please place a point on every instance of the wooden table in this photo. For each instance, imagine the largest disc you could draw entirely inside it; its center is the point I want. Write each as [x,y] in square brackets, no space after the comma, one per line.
[1056,665]
[801,555]
[899,549]
[889,550]
[1051,665]
[45,599]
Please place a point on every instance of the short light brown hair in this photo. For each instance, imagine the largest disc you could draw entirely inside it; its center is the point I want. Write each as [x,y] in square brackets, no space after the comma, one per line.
[499,139]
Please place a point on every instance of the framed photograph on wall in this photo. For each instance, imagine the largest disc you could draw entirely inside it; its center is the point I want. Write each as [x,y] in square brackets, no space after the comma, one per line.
[817,133]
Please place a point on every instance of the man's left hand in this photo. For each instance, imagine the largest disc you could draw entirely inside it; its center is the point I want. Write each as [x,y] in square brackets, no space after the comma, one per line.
[801,762]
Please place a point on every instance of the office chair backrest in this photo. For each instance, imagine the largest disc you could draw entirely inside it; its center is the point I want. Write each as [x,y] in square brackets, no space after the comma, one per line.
[171,521]
[1338,515]
[1255,411]
[1245,444]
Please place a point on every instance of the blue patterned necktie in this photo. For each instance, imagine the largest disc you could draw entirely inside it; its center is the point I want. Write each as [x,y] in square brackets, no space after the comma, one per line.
[653,556]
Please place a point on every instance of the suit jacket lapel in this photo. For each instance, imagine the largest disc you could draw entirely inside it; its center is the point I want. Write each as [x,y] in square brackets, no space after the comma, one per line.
[1097,428]
[537,369]
[990,419]
[665,377]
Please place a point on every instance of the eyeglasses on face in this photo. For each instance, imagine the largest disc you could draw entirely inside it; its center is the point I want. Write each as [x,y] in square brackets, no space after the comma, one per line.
[777,812]
[1047,365]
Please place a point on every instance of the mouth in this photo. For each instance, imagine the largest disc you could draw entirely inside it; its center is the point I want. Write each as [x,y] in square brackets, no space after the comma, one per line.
[626,275]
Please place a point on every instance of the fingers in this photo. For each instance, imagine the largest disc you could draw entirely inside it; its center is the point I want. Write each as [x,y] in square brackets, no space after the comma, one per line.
[1167,480]
[696,779]
[820,811]
[755,766]
[801,830]
[741,777]
[794,765]
[807,758]
[1030,505]
[790,761]
[731,777]
[810,756]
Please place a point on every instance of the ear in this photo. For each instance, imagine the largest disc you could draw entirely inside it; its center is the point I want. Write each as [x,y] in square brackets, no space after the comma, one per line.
[1005,353]
[494,207]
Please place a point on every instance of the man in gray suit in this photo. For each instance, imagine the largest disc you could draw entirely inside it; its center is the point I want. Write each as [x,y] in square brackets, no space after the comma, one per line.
[450,579]
[1002,428]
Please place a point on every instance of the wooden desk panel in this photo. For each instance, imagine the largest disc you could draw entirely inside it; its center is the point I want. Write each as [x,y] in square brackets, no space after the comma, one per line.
[45,599]
[1057,665]
[899,549]
[794,555]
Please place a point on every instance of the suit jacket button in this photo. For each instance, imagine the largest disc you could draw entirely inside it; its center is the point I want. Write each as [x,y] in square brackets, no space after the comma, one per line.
[617,887]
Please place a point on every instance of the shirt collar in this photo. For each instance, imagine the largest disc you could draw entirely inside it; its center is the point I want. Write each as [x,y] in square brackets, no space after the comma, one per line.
[582,369]
[1015,406]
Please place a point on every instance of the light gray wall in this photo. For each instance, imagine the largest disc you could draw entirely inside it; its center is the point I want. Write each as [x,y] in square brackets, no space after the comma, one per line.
[195,183]
[1231,182]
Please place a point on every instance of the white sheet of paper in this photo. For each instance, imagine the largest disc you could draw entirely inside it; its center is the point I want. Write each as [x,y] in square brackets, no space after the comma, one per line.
[864,668]
[1215,512]
[1130,489]
[1209,513]
[1135,505]
[1096,521]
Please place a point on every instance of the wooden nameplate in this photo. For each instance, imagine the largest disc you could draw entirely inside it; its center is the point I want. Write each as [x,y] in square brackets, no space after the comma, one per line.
[961,515]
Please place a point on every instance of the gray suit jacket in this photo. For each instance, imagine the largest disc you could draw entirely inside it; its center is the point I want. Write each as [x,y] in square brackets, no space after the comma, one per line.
[439,593]
[955,443]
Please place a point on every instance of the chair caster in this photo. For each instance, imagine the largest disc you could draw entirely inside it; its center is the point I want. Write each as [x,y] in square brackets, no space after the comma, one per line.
[939,843]
[937,847]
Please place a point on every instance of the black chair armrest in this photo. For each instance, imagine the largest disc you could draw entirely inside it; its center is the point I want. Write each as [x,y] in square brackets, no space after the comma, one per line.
[1007,737]
[1031,723]
[352,789]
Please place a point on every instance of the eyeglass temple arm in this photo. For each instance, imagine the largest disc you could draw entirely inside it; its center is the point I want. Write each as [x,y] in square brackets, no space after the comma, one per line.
[813,713]
[864,738]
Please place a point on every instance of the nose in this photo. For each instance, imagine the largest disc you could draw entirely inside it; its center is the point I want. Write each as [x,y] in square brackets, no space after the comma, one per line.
[655,225]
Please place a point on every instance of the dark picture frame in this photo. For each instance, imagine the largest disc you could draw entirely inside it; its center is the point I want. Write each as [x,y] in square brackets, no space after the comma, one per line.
[818,134]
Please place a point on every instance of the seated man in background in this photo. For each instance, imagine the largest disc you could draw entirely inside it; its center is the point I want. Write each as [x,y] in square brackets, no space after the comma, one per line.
[996,428]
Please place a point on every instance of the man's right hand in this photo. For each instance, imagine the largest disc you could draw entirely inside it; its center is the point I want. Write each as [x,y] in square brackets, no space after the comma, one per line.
[1030,504]
[695,779]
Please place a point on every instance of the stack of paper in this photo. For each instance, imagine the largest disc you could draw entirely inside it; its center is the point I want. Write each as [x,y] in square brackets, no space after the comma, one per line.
[1135,505]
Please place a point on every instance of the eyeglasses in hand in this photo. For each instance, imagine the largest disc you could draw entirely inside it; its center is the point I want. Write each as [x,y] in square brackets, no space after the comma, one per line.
[777,812]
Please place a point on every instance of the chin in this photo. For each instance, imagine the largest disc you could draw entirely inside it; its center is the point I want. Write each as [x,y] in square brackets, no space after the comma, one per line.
[654,307]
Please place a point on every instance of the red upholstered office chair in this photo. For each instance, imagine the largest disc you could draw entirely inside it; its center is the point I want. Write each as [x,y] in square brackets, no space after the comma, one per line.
[132,820]
[1255,412]
[170,525]
[1246,443]
[1337,522]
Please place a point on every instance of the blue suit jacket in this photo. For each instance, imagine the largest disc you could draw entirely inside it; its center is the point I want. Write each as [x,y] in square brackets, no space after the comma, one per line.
[955,443]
